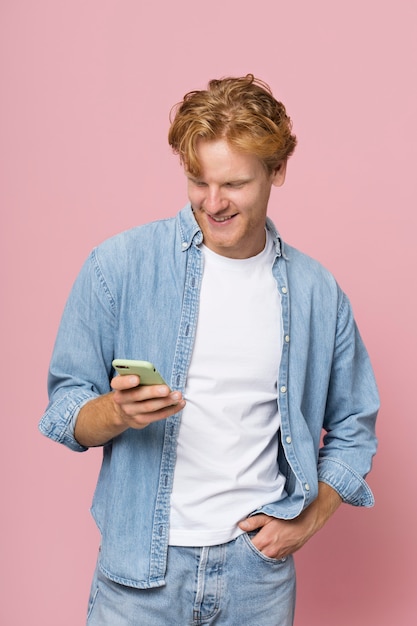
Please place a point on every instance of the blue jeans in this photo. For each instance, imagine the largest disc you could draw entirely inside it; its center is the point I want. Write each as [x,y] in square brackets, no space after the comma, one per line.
[227,585]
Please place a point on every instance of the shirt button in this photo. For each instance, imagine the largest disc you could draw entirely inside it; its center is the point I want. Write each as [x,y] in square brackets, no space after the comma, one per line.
[284,290]
[287,338]
[288,439]
[307,487]
[184,244]
[283,389]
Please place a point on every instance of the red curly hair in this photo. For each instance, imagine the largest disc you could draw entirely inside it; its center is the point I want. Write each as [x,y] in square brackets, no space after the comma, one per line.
[241,110]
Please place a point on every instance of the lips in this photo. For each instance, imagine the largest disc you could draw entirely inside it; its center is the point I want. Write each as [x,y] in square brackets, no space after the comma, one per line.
[220,220]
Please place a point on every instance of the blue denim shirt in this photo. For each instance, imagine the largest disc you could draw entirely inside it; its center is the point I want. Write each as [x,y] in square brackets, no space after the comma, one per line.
[137,296]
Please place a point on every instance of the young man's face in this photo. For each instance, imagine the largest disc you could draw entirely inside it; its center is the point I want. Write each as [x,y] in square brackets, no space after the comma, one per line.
[230,199]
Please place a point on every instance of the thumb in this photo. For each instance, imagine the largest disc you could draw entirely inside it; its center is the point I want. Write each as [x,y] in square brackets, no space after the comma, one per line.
[253,522]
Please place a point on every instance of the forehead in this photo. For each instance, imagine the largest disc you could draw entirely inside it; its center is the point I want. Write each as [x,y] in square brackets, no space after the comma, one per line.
[218,159]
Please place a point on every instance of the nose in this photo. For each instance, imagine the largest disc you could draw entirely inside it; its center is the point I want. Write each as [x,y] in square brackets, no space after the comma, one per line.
[215,201]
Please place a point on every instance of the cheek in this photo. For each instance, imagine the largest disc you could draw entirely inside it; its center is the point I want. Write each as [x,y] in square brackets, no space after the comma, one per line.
[195,197]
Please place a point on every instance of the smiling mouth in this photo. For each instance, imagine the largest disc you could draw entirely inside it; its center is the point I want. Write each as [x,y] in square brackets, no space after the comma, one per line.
[221,219]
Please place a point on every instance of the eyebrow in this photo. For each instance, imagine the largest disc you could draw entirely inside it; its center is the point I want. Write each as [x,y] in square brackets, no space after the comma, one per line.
[237,181]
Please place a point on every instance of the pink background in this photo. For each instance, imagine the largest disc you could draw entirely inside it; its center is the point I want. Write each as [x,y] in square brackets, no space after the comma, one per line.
[86,88]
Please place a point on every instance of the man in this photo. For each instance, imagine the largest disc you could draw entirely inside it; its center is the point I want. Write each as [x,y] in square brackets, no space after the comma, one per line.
[209,486]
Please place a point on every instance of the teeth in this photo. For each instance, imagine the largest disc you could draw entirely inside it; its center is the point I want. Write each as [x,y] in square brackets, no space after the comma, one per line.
[221,219]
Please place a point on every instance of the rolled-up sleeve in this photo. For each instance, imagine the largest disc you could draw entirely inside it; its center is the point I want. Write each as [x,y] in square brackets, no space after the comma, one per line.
[350,442]
[80,367]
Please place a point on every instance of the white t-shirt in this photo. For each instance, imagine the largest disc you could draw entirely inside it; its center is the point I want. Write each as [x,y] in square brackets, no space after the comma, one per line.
[228,442]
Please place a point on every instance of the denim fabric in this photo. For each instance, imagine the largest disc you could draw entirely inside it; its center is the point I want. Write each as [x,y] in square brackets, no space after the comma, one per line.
[228,585]
[137,297]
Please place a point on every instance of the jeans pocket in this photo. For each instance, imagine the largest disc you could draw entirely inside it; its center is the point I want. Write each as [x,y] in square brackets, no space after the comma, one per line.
[91,602]
[93,593]
[247,537]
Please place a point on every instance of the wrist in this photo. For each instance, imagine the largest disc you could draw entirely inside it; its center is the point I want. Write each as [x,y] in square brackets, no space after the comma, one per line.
[328,501]
[98,422]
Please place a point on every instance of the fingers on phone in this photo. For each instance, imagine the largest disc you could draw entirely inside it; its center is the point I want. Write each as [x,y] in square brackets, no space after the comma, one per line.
[120,383]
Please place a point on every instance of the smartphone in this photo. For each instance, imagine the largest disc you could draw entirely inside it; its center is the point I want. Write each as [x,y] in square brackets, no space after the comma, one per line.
[148,373]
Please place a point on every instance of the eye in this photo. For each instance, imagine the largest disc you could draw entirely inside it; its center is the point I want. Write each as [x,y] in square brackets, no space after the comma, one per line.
[236,185]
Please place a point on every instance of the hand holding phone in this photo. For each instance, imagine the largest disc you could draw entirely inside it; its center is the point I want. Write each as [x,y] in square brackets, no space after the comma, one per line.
[147,372]
[150,401]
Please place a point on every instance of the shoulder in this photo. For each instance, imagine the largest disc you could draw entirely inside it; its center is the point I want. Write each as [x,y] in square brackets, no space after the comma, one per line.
[308,279]
[305,266]
[126,256]
[148,234]
[131,246]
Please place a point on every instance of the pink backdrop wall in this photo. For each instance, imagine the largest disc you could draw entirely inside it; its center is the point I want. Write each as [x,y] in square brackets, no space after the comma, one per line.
[86,88]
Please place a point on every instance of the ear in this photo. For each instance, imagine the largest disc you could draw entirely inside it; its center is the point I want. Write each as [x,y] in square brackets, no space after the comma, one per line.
[278,174]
